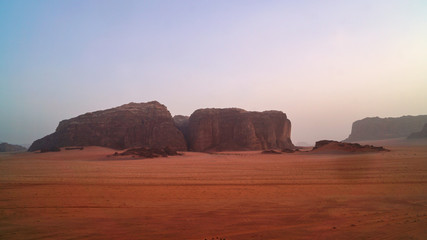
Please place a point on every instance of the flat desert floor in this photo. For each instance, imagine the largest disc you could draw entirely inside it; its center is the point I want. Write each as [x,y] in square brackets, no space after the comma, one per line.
[241,195]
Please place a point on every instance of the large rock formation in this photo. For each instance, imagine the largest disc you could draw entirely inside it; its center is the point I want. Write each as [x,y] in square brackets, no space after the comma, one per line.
[420,134]
[6,147]
[237,129]
[130,125]
[384,128]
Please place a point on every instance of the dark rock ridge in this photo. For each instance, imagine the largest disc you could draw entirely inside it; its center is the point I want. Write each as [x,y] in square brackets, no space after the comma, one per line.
[420,134]
[130,125]
[329,146]
[383,128]
[148,152]
[50,149]
[236,129]
[6,147]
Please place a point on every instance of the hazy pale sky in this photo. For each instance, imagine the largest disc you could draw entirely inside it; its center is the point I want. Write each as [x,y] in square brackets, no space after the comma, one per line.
[324,63]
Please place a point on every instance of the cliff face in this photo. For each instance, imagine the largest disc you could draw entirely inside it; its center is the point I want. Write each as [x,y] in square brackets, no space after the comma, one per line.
[130,125]
[237,129]
[384,128]
[420,134]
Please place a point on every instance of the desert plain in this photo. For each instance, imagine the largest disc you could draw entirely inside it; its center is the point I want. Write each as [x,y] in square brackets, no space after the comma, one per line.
[83,194]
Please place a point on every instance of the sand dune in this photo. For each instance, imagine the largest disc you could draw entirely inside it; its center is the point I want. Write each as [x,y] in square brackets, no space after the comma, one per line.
[233,195]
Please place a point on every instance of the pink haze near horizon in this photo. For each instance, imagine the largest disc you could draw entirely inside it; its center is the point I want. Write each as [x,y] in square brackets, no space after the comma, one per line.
[325,64]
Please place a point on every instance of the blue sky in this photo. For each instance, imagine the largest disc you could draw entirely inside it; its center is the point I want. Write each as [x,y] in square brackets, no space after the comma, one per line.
[324,63]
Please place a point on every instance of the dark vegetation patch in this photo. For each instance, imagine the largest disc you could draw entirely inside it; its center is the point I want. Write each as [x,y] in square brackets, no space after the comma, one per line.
[331,146]
[145,152]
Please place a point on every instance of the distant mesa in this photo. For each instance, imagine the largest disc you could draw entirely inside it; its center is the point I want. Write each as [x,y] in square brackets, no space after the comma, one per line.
[6,147]
[130,125]
[150,125]
[420,134]
[329,146]
[385,128]
[214,129]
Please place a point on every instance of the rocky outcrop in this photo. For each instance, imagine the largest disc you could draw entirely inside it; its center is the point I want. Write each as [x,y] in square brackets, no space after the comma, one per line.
[237,129]
[130,125]
[420,134]
[329,146]
[384,128]
[50,149]
[150,126]
[144,152]
[6,147]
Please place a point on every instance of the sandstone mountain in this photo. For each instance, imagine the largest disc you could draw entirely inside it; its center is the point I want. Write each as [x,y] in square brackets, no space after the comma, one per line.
[383,128]
[6,147]
[420,134]
[237,129]
[130,125]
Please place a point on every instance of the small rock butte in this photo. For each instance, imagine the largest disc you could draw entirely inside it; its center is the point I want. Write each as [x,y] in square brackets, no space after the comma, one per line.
[236,129]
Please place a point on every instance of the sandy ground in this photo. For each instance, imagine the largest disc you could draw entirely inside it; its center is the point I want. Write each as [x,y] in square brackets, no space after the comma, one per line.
[245,195]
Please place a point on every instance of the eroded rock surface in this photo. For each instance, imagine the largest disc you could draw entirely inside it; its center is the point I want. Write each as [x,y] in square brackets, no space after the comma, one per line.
[385,128]
[130,125]
[236,129]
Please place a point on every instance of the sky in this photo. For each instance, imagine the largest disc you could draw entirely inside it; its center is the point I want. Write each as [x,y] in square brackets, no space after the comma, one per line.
[325,63]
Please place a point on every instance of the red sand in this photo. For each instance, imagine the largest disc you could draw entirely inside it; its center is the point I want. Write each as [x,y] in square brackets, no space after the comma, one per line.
[246,195]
